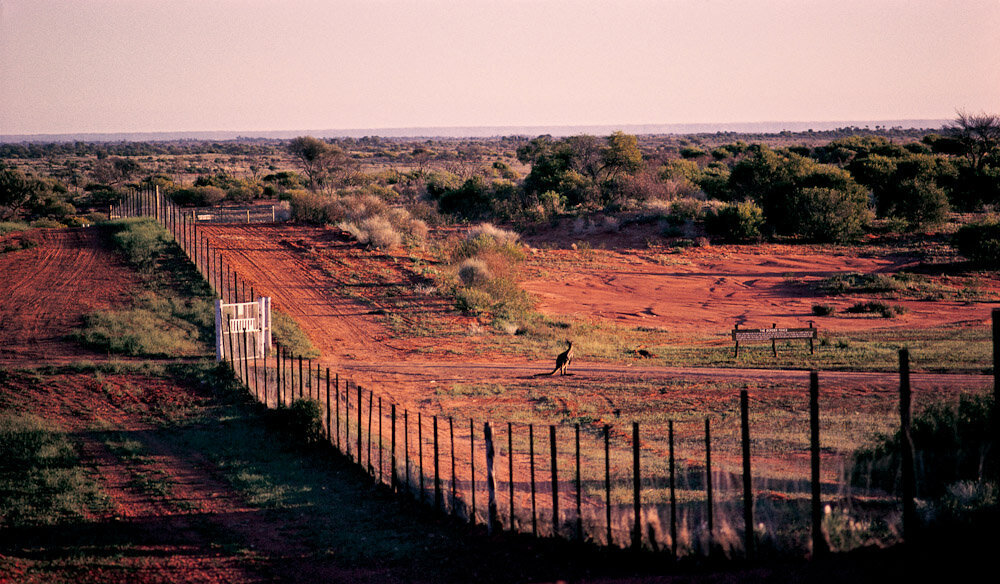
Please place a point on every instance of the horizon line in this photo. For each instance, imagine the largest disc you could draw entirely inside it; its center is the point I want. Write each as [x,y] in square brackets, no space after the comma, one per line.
[483,131]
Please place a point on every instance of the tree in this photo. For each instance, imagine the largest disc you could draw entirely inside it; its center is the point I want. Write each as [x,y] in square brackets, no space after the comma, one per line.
[115,171]
[312,155]
[18,192]
[979,135]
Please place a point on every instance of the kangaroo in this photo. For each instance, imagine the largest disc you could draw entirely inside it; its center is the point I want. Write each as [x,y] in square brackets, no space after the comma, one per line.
[564,359]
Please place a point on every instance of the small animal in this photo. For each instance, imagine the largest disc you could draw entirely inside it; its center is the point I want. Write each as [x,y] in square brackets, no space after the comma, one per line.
[564,359]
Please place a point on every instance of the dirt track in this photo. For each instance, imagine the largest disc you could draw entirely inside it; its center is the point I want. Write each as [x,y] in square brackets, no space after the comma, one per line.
[47,289]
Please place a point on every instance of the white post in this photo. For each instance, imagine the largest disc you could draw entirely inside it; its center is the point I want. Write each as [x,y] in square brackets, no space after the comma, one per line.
[272,213]
[218,331]
[267,324]
[248,216]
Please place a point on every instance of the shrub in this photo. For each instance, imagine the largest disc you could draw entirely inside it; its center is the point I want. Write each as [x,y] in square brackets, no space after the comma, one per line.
[823,309]
[473,271]
[741,222]
[830,214]
[980,242]
[287,333]
[141,240]
[950,444]
[204,196]
[302,421]
[876,307]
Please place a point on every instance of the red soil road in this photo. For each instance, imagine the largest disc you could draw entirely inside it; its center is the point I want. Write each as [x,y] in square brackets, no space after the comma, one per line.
[272,258]
[48,288]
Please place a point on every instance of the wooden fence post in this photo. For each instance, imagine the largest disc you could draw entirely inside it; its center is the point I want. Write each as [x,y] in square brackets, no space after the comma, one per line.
[492,517]
[906,456]
[302,383]
[607,481]
[555,481]
[748,534]
[636,490]
[819,543]
[531,465]
[329,414]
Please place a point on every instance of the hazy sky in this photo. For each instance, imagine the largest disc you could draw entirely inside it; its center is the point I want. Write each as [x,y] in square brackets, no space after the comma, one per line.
[179,65]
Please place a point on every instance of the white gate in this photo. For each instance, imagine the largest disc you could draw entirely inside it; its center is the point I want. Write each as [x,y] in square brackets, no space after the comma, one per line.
[242,329]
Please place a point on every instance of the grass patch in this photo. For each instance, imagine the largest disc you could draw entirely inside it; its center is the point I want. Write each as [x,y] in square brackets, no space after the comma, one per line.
[158,326]
[12,226]
[287,333]
[41,481]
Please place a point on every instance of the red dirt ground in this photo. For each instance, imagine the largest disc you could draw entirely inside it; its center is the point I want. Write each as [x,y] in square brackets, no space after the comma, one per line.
[699,293]
[48,288]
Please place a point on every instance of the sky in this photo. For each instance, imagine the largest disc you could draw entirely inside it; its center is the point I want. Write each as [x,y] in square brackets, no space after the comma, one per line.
[244,65]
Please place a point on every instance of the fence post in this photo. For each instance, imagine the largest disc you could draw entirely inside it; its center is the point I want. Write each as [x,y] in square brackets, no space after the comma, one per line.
[302,382]
[774,343]
[393,476]
[380,440]
[406,447]
[492,517]
[454,482]
[438,502]
[906,456]
[329,414]
[673,490]
[555,481]
[361,460]
[472,465]
[510,470]
[607,481]
[996,387]
[371,469]
[748,535]
[819,543]
[531,458]
[229,333]
[579,485]
[708,485]
[420,452]
[347,417]
[336,411]
[636,490]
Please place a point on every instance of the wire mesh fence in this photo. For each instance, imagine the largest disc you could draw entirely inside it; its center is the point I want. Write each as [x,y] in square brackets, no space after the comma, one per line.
[743,479]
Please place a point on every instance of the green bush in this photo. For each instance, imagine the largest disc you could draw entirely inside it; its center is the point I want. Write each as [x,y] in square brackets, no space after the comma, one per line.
[141,240]
[980,242]
[823,309]
[302,420]
[831,214]
[741,222]
[951,444]
[876,307]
